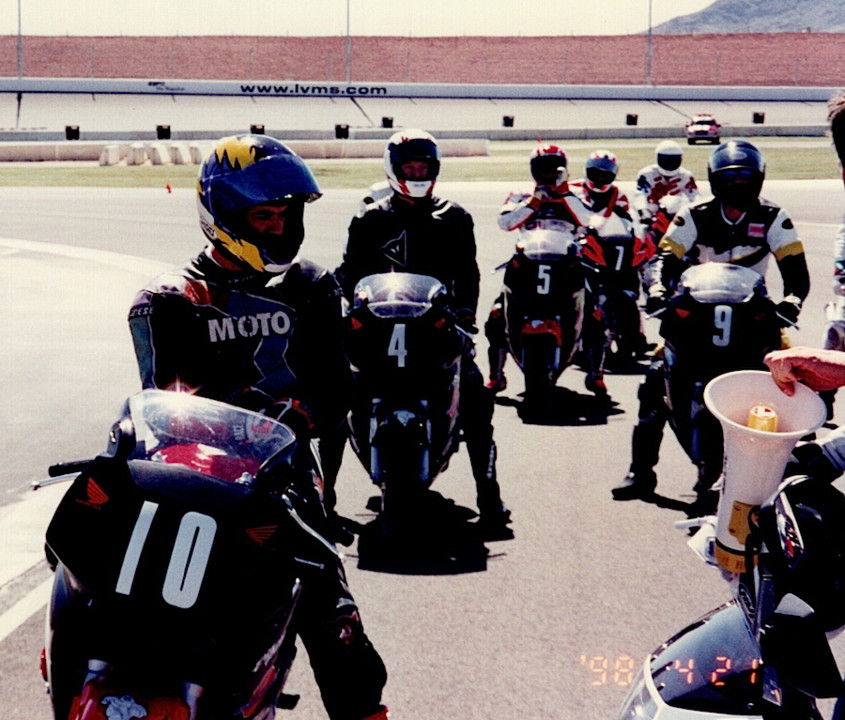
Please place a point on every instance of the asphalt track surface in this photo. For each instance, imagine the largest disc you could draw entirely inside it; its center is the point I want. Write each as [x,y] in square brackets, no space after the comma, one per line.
[549,624]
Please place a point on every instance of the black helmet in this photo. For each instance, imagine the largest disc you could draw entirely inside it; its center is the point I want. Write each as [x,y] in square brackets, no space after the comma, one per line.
[247,170]
[732,161]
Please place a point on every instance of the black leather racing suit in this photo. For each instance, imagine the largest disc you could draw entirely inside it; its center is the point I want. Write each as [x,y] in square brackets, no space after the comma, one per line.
[435,237]
[250,339]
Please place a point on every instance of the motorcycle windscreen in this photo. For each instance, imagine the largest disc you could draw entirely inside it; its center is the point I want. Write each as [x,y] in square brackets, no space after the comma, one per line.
[713,666]
[545,245]
[389,295]
[721,283]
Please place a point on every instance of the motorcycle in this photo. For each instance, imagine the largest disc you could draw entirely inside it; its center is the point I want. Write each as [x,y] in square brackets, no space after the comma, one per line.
[406,349]
[178,565]
[543,306]
[720,319]
[613,255]
[765,654]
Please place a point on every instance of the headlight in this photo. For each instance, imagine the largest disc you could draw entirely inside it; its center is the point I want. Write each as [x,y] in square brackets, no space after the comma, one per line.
[639,703]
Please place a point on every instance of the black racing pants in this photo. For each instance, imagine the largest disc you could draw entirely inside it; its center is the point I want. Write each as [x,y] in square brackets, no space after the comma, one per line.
[347,668]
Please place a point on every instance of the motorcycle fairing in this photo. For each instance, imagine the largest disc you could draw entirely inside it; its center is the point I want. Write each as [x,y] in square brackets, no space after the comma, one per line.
[712,666]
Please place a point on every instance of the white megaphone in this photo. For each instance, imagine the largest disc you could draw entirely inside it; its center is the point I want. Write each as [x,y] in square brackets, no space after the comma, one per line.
[760,425]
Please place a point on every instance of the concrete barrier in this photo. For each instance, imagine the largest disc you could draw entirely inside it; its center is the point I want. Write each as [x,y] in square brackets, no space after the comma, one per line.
[471,144]
[110,155]
[199,151]
[158,153]
[137,154]
[179,154]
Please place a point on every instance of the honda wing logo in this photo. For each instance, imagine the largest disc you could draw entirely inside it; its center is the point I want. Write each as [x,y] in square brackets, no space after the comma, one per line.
[95,496]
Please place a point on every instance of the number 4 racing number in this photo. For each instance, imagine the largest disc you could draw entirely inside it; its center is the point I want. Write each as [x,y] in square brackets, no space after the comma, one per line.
[396,348]
[188,559]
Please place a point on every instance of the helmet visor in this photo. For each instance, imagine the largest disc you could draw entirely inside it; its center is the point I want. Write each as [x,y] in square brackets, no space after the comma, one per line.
[272,180]
[669,162]
[416,151]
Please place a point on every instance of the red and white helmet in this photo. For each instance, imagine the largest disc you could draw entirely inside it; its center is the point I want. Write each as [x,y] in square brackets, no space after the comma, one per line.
[546,160]
[601,169]
[405,146]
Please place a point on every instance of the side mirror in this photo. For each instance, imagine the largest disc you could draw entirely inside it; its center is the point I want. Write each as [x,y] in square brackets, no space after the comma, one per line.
[794,644]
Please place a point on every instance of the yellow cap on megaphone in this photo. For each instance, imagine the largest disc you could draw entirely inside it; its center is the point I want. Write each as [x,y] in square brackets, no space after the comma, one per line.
[755,457]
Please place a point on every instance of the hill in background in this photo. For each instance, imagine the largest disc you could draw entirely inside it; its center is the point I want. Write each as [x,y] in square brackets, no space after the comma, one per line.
[761,16]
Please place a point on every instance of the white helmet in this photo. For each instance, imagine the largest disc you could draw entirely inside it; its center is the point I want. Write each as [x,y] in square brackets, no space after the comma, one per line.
[668,156]
[407,145]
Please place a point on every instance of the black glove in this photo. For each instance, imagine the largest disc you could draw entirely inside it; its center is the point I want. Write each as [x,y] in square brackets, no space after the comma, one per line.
[808,459]
[787,312]
[654,304]
[465,319]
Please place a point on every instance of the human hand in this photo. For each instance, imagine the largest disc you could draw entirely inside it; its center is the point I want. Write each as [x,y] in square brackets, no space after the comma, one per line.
[818,369]
[787,312]
[655,304]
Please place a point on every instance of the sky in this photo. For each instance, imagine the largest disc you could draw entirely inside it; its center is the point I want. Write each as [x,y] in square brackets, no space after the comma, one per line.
[329,17]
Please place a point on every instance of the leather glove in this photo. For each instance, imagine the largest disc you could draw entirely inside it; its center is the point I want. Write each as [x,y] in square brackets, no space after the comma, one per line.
[465,319]
[787,311]
[654,304]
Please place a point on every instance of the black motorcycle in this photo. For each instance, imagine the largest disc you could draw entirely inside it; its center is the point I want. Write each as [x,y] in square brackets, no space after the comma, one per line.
[178,564]
[544,308]
[406,349]
[764,655]
[720,319]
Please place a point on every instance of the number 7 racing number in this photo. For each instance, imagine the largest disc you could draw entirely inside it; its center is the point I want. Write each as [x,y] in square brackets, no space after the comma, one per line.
[188,559]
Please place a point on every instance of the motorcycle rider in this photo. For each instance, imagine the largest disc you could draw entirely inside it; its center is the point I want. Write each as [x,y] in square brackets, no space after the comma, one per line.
[666,176]
[412,230]
[822,370]
[598,190]
[735,226]
[833,338]
[250,322]
[550,204]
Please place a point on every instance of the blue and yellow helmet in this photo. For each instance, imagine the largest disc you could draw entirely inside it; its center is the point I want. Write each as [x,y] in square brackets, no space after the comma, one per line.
[247,170]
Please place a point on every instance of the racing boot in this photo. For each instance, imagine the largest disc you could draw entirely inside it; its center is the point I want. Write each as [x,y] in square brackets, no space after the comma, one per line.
[492,511]
[497,357]
[641,480]
[594,382]
[382,714]
[594,359]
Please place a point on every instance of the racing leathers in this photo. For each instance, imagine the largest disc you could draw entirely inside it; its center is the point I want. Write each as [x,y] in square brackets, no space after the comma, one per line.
[612,200]
[435,237]
[653,184]
[698,234]
[269,342]
[544,207]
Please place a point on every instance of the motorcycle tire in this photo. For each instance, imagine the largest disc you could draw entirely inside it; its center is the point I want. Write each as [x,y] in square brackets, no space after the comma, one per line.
[537,368]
